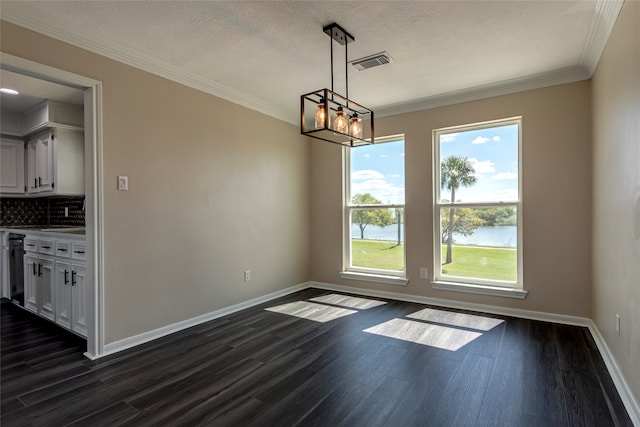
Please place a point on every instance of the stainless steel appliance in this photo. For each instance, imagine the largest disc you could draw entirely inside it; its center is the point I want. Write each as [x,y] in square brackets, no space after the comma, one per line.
[16,269]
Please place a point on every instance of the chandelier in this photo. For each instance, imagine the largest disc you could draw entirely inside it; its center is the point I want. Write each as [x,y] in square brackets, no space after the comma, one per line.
[329,116]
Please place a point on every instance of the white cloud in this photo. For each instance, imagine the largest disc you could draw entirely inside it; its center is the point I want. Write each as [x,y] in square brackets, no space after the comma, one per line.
[366,174]
[450,137]
[480,140]
[380,189]
[486,166]
[401,154]
[496,138]
[394,175]
[367,155]
[505,175]
[384,155]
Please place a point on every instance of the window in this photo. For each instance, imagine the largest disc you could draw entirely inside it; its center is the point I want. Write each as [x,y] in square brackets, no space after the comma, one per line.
[374,210]
[477,205]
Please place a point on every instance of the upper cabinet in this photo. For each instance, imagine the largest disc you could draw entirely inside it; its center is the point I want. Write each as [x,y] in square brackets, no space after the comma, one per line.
[55,163]
[52,114]
[11,166]
[52,160]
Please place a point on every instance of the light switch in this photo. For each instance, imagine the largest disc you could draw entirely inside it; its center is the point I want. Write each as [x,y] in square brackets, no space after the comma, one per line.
[123,183]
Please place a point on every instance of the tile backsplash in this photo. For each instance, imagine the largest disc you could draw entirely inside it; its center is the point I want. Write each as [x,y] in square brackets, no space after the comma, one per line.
[42,211]
[75,212]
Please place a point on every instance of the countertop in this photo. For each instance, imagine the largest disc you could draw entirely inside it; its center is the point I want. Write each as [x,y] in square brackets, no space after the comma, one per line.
[75,233]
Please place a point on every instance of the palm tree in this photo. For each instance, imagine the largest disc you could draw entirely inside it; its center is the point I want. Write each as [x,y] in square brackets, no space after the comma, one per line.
[455,171]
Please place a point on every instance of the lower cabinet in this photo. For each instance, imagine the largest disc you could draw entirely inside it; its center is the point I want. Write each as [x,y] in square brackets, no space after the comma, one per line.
[39,294]
[55,281]
[70,296]
[30,283]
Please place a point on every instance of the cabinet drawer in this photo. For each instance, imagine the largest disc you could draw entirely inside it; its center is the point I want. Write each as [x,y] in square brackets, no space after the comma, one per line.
[78,251]
[46,246]
[31,244]
[63,249]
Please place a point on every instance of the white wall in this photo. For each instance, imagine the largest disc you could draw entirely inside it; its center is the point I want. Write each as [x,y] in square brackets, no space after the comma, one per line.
[214,189]
[616,194]
[556,177]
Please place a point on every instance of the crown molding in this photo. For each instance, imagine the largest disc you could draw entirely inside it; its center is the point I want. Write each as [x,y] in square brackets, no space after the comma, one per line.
[604,18]
[505,87]
[33,19]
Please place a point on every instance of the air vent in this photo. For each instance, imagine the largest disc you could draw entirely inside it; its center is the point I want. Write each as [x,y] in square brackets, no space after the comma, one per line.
[372,61]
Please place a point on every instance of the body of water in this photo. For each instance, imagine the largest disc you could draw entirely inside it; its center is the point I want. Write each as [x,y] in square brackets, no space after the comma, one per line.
[506,235]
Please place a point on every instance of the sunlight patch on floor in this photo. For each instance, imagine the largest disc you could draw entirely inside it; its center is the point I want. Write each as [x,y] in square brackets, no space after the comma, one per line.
[424,333]
[456,319]
[311,311]
[347,301]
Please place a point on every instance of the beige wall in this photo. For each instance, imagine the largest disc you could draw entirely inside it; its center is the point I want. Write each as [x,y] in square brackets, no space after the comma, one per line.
[215,189]
[556,197]
[616,194]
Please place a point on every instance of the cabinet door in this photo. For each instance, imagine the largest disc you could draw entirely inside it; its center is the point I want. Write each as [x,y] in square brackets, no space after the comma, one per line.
[46,293]
[32,172]
[44,162]
[11,166]
[78,300]
[63,294]
[31,283]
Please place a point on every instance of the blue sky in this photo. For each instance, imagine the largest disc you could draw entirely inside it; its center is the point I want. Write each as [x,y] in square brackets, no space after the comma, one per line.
[379,169]
[493,153]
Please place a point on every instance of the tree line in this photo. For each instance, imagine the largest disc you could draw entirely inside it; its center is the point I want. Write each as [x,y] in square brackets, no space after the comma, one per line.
[455,172]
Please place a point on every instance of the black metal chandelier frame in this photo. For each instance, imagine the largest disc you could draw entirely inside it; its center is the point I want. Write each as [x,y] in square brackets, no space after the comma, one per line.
[336,118]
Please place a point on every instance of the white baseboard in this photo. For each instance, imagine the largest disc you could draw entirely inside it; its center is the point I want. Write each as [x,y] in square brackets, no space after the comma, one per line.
[621,385]
[145,337]
[633,409]
[514,312]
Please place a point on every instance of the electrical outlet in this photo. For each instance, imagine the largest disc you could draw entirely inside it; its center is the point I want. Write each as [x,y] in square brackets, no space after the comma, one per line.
[123,183]
[424,273]
[618,324]
[247,275]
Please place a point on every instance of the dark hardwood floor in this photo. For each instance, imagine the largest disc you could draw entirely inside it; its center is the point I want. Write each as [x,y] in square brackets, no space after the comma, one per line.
[261,368]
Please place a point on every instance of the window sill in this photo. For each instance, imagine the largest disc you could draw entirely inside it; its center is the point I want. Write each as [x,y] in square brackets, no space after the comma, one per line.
[496,291]
[379,278]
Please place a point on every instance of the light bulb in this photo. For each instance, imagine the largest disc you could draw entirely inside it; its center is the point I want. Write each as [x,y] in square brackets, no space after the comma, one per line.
[355,128]
[321,115]
[340,122]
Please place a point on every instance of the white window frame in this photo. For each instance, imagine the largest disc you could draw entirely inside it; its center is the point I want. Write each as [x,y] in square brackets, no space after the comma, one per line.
[467,284]
[394,277]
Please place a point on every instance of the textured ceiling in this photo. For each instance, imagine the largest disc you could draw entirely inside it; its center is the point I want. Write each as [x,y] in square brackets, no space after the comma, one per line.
[265,54]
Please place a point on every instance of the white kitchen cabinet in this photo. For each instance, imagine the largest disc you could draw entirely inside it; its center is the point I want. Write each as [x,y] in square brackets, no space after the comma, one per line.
[39,290]
[78,299]
[40,163]
[70,288]
[55,280]
[55,163]
[31,282]
[52,114]
[46,291]
[63,293]
[11,166]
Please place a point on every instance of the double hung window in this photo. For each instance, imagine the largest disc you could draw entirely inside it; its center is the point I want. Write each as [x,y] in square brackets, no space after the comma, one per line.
[374,209]
[477,204]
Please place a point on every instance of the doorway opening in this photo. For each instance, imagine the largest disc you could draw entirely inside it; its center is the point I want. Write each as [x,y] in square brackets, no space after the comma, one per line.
[93,202]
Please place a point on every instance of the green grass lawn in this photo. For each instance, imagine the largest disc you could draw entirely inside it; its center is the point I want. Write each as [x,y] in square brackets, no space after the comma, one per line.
[468,261]
[481,262]
[377,254]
